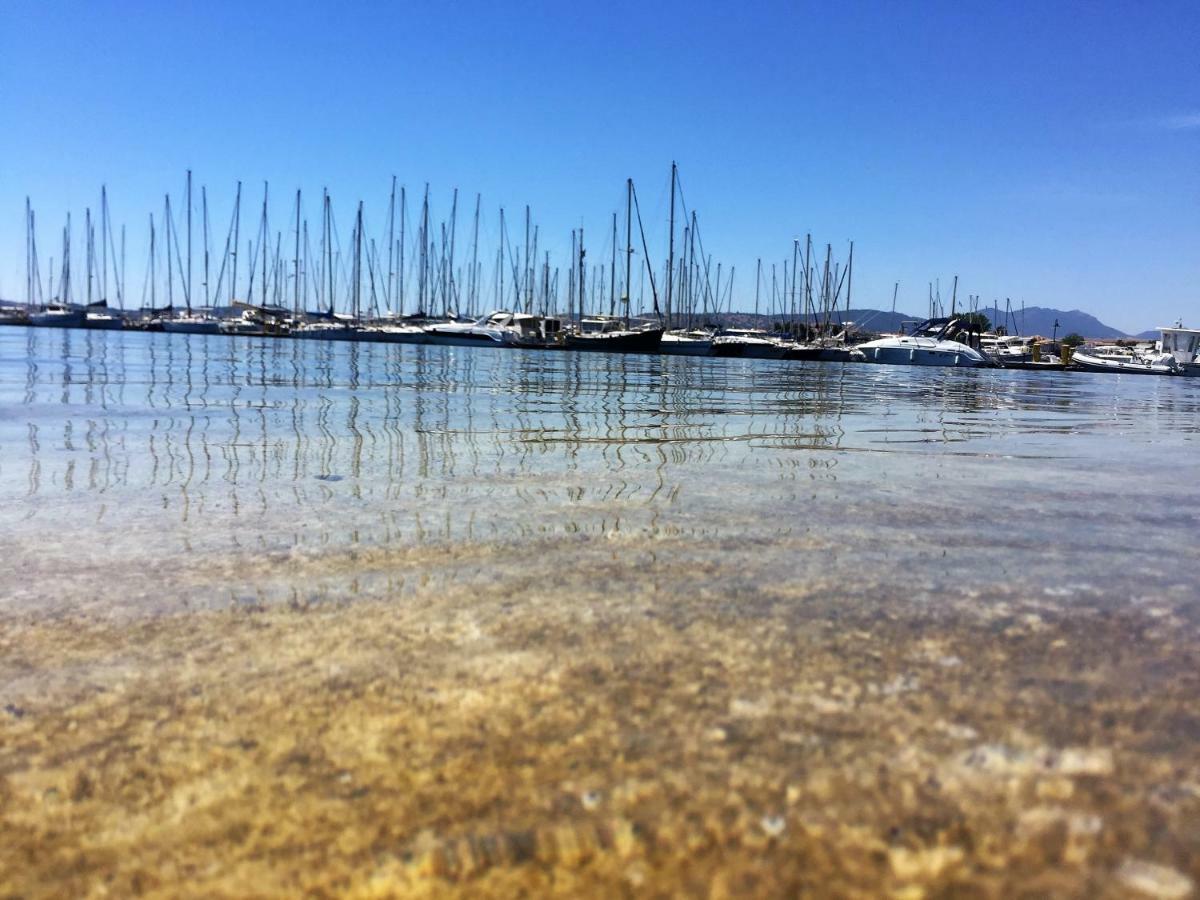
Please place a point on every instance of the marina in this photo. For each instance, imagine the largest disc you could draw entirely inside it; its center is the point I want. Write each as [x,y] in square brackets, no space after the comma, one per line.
[621,451]
[810,304]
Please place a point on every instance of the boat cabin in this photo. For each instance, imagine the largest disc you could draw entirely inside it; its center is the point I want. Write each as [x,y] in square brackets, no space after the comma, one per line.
[1182,343]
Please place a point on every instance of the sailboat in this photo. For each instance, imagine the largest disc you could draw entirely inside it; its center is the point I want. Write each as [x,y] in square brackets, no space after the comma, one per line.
[61,313]
[609,334]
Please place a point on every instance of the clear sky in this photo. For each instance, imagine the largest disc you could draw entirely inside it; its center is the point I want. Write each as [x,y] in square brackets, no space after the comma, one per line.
[1047,152]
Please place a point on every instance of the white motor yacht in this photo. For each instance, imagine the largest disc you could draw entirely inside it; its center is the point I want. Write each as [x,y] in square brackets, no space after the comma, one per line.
[497,329]
[933,343]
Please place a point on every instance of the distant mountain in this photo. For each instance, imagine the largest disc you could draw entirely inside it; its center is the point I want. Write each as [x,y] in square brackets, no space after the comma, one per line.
[1032,320]
[1041,319]
[863,319]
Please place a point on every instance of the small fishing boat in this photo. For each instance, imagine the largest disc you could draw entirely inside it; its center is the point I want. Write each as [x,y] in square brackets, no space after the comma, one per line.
[933,343]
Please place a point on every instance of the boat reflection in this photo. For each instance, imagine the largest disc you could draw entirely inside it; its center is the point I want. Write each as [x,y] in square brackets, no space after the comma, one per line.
[272,444]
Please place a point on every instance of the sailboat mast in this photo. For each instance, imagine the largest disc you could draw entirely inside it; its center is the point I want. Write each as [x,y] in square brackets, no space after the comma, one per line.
[204,228]
[582,280]
[849,278]
[358,234]
[449,261]
[795,267]
[391,244]
[153,268]
[671,247]
[28,255]
[422,279]
[296,261]
[529,264]
[329,250]
[170,271]
[88,248]
[473,291]
[403,206]
[628,245]
[612,271]
[237,231]
[757,287]
[571,280]
[188,290]
[265,240]
[103,245]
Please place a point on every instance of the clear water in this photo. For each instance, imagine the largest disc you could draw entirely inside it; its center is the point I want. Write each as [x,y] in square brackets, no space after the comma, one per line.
[390,620]
[123,454]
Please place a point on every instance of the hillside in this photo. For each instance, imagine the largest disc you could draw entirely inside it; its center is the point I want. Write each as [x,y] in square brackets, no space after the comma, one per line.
[1033,320]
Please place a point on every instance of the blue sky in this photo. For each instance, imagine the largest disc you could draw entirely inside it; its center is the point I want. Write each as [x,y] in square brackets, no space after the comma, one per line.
[1049,153]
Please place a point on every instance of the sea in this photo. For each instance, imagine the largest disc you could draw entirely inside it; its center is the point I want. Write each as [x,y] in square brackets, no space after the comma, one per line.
[770,602]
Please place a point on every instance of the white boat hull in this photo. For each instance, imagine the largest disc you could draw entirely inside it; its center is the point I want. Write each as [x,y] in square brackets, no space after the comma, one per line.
[1088,363]
[921,356]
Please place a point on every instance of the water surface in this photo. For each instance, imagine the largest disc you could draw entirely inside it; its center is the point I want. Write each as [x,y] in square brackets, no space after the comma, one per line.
[468,620]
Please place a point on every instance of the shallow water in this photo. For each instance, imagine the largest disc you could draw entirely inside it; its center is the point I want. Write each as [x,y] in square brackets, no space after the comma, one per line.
[734,589]
[125,447]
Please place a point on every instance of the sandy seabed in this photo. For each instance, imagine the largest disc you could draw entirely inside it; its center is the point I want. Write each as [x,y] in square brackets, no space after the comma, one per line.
[638,717]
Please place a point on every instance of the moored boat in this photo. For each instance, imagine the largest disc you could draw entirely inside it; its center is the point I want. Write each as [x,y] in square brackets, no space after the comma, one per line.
[1130,364]
[192,323]
[608,334]
[1183,345]
[58,317]
[932,343]
[686,343]
[497,329]
[748,343]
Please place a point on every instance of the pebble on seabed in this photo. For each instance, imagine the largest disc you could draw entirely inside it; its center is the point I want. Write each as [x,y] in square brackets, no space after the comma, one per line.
[1153,880]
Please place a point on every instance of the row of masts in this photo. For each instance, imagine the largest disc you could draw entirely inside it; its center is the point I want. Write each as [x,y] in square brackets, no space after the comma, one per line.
[414,266]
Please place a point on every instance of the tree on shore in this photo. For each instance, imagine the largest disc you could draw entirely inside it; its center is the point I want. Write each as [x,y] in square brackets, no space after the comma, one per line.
[975,320]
